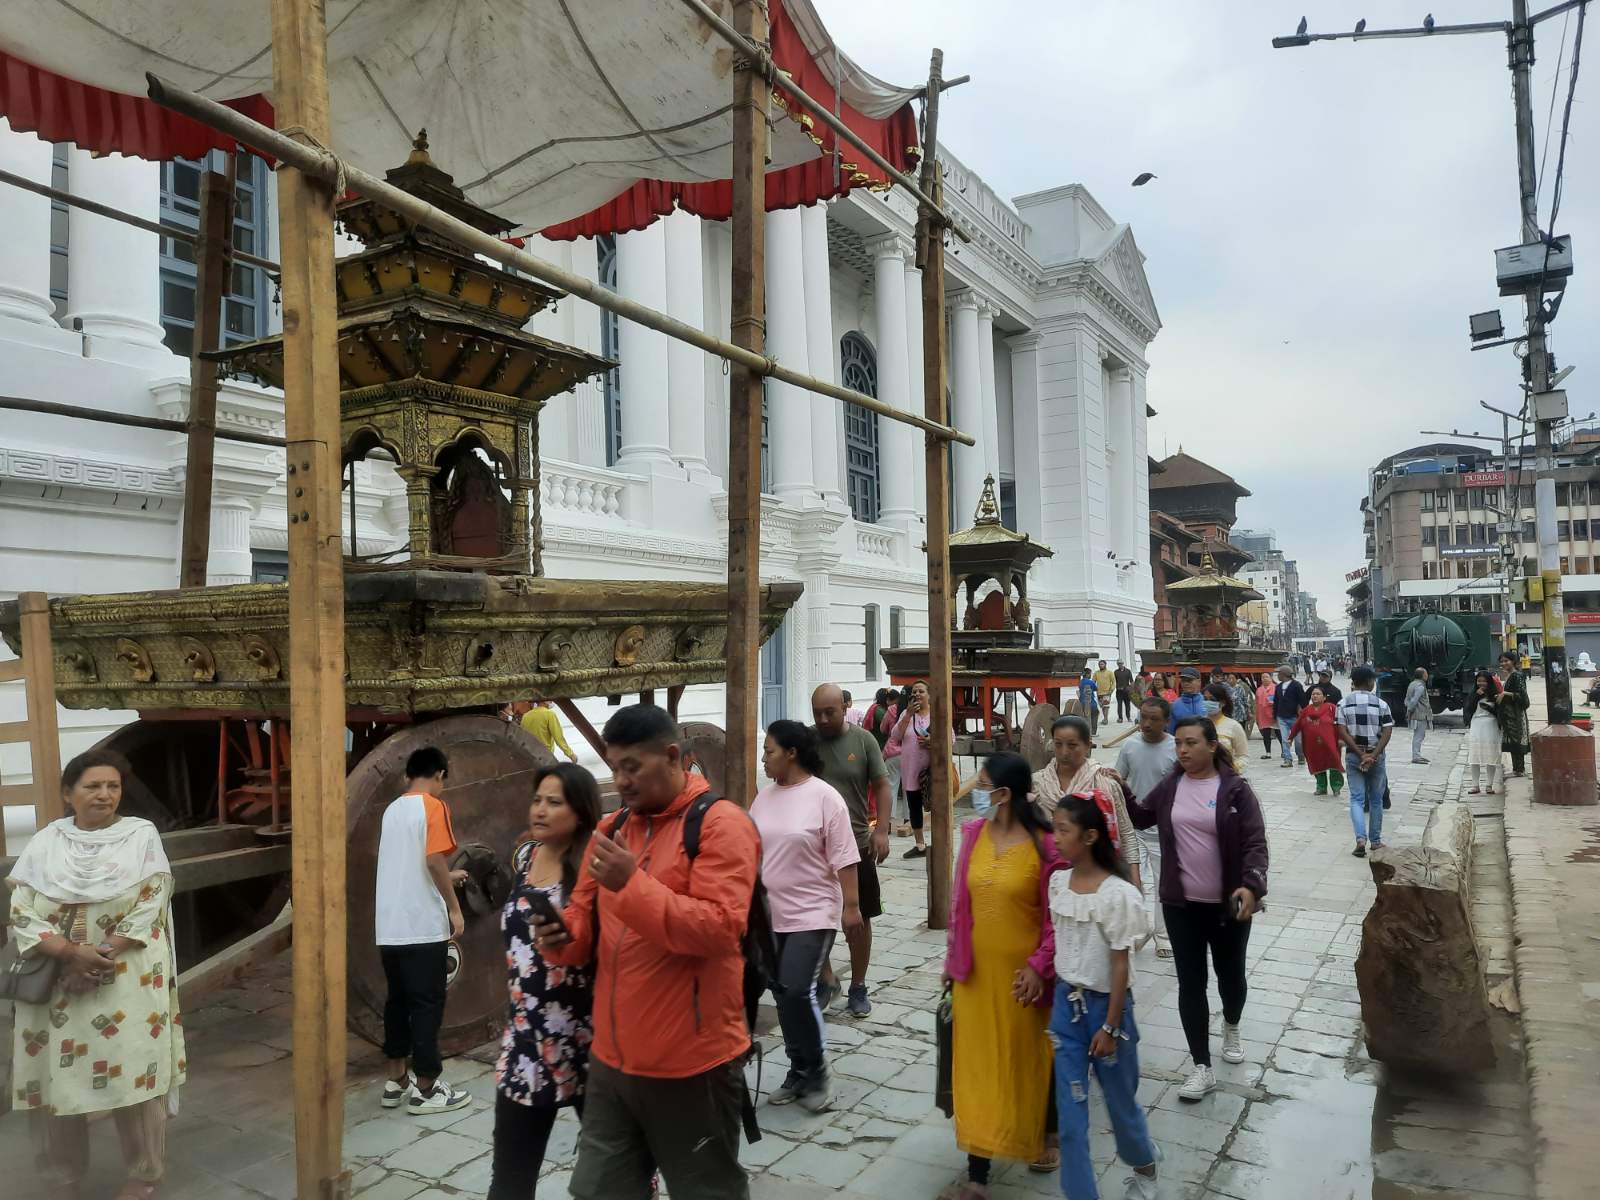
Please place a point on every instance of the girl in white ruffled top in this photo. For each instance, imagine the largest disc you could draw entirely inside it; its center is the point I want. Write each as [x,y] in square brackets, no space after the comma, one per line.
[1098,916]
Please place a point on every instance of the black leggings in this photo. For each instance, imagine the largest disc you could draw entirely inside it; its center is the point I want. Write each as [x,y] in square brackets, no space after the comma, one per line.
[800,958]
[1124,706]
[1193,929]
[1519,757]
[521,1133]
[978,1166]
[1268,732]
[914,807]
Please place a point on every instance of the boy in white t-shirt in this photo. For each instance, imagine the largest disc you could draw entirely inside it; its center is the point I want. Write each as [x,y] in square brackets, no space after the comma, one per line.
[416,915]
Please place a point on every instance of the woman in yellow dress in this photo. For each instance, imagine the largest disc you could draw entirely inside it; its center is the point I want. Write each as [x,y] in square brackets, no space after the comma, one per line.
[999,962]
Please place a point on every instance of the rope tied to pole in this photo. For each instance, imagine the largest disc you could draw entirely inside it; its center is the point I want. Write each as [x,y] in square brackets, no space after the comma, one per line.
[331,163]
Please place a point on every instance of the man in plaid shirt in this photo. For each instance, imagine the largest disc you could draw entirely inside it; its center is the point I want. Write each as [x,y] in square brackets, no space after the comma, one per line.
[1365,726]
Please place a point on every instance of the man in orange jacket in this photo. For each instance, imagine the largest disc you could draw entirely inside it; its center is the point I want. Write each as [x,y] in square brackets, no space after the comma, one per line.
[666,1080]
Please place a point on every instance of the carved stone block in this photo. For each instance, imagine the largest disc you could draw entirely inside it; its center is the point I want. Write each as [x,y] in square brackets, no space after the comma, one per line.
[1423,998]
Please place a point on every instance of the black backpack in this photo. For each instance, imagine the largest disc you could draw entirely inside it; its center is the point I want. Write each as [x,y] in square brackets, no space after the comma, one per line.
[759,946]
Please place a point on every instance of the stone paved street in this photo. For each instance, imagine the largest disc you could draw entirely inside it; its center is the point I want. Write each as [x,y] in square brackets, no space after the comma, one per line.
[1306,1116]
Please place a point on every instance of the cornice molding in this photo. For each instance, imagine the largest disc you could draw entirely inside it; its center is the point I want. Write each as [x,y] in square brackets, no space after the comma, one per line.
[99,475]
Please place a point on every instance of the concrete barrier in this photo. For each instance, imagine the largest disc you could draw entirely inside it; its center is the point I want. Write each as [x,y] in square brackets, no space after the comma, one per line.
[1423,999]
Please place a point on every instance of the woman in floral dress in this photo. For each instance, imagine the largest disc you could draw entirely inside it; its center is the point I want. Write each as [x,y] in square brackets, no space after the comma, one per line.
[93,890]
[544,1053]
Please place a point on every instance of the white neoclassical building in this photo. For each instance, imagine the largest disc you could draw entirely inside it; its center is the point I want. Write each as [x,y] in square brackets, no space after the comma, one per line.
[1050,315]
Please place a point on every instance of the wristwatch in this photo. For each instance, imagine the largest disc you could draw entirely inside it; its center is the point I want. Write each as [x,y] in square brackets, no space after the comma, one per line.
[1116,1033]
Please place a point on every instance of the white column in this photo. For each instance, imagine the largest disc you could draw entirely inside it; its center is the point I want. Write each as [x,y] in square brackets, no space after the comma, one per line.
[916,397]
[114,270]
[788,407]
[228,559]
[1123,498]
[827,424]
[25,245]
[991,409]
[967,401]
[643,353]
[896,448]
[686,375]
[588,400]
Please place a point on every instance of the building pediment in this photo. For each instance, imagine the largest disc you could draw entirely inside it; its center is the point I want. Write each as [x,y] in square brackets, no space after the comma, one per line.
[1120,266]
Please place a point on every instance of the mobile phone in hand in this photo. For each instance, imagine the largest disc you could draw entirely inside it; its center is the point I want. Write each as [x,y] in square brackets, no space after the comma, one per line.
[545,912]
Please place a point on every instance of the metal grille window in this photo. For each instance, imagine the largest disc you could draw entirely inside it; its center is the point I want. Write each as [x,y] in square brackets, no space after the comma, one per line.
[859,372]
[606,273]
[244,306]
[59,223]
[870,613]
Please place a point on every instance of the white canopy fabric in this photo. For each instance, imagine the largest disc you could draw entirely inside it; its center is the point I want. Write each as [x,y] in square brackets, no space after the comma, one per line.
[541,109]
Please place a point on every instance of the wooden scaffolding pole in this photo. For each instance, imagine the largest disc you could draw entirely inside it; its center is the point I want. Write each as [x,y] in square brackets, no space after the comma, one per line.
[751,94]
[212,265]
[931,230]
[316,605]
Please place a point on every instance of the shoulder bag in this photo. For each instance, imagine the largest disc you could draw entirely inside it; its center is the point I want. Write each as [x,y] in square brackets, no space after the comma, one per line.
[27,980]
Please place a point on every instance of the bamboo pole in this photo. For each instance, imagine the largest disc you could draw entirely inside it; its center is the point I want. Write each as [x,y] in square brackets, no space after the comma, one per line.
[328,168]
[77,412]
[930,255]
[176,232]
[212,263]
[749,312]
[316,607]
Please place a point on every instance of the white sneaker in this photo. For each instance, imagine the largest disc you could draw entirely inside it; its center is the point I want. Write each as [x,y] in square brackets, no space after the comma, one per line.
[1202,1082]
[1143,1187]
[395,1091]
[1232,1051]
[440,1098]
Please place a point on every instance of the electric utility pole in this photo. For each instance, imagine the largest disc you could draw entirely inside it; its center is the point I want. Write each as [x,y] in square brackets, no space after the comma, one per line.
[1557,683]
[1567,773]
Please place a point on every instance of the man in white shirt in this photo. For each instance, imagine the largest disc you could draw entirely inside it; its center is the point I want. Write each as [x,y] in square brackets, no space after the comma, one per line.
[1143,762]
[415,917]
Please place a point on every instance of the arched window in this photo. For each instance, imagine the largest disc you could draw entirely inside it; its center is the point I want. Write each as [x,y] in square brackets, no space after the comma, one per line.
[860,373]
[606,248]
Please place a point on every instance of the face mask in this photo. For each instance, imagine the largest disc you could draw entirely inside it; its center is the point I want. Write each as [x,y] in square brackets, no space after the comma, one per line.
[1212,708]
[982,801]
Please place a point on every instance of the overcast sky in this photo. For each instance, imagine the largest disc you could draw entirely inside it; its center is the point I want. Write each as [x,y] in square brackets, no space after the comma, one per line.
[1323,223]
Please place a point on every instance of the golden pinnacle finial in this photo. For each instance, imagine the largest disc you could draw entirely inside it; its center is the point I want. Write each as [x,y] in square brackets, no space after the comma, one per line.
[419,150]
[1208,565]
[988,506]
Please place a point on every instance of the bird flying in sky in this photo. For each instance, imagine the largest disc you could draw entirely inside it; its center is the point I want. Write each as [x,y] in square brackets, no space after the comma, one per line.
[1143,178]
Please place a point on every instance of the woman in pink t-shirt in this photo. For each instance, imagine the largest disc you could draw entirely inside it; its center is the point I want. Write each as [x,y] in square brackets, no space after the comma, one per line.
[808,866]
[909,744]
[1213,877]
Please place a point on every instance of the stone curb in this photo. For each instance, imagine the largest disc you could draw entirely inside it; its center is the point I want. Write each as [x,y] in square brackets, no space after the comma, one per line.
[1561,1054]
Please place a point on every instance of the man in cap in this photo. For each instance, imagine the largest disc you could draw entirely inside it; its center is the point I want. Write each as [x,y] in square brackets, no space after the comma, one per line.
[1190,703]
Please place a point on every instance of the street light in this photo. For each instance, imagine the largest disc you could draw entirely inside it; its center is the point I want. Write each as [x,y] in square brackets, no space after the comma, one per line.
[1486,325]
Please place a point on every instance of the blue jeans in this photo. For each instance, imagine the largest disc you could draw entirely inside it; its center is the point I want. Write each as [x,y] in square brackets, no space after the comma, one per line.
[1366,796]
[1076,1018]
[1283,737]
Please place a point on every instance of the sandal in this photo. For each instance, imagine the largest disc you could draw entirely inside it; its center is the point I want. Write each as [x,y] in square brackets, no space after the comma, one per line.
[1473,791]
[1048,1161]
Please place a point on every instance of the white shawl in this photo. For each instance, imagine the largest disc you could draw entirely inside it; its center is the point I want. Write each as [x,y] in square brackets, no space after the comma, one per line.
[91,866]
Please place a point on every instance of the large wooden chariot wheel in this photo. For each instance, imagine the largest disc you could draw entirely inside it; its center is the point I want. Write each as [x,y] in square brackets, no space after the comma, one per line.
[706,748]
[1037,746]
[492,768]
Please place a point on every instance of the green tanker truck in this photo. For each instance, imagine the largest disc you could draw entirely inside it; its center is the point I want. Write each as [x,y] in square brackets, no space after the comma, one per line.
[1452,646]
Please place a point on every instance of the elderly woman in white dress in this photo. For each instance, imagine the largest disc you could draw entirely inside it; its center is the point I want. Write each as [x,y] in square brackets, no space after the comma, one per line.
[93,892]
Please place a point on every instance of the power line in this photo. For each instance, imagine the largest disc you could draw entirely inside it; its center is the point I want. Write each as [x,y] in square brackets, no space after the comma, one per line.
[1566,116]
[1550,114]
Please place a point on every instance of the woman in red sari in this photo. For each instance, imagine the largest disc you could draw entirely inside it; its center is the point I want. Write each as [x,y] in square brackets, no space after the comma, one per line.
[1315,726]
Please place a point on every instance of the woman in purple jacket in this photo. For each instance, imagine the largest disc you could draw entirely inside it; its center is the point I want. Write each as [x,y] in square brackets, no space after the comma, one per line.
[1001,951]
[1213,878]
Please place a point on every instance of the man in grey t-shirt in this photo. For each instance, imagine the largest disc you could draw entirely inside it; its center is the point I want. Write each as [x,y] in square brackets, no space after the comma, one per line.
[1143,762]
